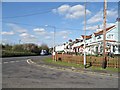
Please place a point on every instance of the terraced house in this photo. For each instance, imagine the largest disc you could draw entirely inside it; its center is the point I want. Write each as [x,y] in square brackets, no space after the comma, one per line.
[94,42]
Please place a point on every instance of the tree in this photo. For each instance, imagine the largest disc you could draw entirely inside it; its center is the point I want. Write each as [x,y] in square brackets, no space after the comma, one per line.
[18,48]
[7,47]
[31,48]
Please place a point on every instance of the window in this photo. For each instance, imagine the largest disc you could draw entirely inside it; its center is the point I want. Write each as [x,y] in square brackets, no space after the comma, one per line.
[110,36]
[96,50]
[101,48]
[113,48]
[99,37]
[119,48]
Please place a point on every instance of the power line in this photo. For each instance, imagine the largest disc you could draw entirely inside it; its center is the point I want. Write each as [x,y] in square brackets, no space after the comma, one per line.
[32,14]
[31,25]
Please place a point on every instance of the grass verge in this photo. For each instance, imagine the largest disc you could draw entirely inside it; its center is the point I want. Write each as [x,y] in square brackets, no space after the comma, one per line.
[93,68]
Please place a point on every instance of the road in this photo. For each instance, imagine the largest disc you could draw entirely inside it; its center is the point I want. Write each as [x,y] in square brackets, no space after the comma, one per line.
[17,73]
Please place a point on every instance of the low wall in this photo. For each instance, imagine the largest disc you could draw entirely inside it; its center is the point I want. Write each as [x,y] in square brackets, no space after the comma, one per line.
[95,60]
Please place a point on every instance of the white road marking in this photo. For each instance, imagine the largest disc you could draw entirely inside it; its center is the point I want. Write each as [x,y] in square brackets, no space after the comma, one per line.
[17,61]
[5,62]
[28,61]
[11,62]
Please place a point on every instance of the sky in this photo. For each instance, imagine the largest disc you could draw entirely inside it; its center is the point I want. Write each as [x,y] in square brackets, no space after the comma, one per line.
[34,22]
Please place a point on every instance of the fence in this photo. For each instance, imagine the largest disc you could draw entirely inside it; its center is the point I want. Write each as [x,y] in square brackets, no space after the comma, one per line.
[94,60]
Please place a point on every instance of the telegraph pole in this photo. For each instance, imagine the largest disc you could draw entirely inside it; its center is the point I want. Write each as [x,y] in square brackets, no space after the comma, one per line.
[85,37]
[104,36]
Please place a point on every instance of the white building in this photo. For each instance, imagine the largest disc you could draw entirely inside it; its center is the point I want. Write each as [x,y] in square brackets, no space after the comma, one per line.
[94,42]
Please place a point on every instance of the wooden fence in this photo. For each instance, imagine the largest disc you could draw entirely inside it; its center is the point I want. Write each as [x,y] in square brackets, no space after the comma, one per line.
[94,60]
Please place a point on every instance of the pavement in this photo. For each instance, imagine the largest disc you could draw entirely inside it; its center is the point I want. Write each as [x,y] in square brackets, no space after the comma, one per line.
[23,72]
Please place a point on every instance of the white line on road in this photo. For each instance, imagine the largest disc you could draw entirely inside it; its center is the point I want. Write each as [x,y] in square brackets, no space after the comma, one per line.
[28,61]
[17,61]
[5,62]
[11,62]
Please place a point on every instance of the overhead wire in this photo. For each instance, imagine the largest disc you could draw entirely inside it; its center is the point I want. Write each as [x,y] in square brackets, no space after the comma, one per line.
[32,25]
[32,14]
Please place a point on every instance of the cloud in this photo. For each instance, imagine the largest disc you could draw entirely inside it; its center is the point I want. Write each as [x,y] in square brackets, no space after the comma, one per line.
[25,37]
[64,37]
[98,28]
[24,34]
[63,9]
[5,41]
[98,17]
[64,34]
[71,12]
[110,24]
[48,37]
[112,13]
[17,28]
[7,33]
[92,27]
[39,31]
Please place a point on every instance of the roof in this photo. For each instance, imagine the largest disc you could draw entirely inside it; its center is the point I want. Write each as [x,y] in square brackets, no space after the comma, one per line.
[101,32]
[87,37]
[109,40]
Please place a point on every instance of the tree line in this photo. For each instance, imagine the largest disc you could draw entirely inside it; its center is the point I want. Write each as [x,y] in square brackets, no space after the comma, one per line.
[22,49]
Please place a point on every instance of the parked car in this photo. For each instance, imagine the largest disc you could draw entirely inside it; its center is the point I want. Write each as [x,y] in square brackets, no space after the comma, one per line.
[43,52]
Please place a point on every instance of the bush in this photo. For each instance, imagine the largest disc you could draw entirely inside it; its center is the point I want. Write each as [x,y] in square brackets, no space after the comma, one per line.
[14,53]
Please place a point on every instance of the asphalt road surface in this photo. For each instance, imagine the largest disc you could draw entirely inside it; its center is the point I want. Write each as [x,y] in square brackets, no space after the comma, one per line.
[17,73]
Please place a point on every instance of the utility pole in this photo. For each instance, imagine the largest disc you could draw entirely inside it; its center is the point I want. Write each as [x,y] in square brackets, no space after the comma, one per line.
[85,37]
[104,36]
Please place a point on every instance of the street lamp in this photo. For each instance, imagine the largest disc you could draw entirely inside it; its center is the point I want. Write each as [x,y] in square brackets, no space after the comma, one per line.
[54,28]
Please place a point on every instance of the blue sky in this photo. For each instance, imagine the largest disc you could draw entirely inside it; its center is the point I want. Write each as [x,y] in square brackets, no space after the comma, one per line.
[67,17]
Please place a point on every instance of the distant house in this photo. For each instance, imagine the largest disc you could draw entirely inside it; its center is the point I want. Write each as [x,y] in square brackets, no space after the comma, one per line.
[66,47]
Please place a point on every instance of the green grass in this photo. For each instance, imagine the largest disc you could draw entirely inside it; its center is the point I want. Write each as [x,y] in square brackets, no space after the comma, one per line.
[49,60]
[107,69]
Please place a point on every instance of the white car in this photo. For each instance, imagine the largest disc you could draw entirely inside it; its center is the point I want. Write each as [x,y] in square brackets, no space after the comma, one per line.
[43,52]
